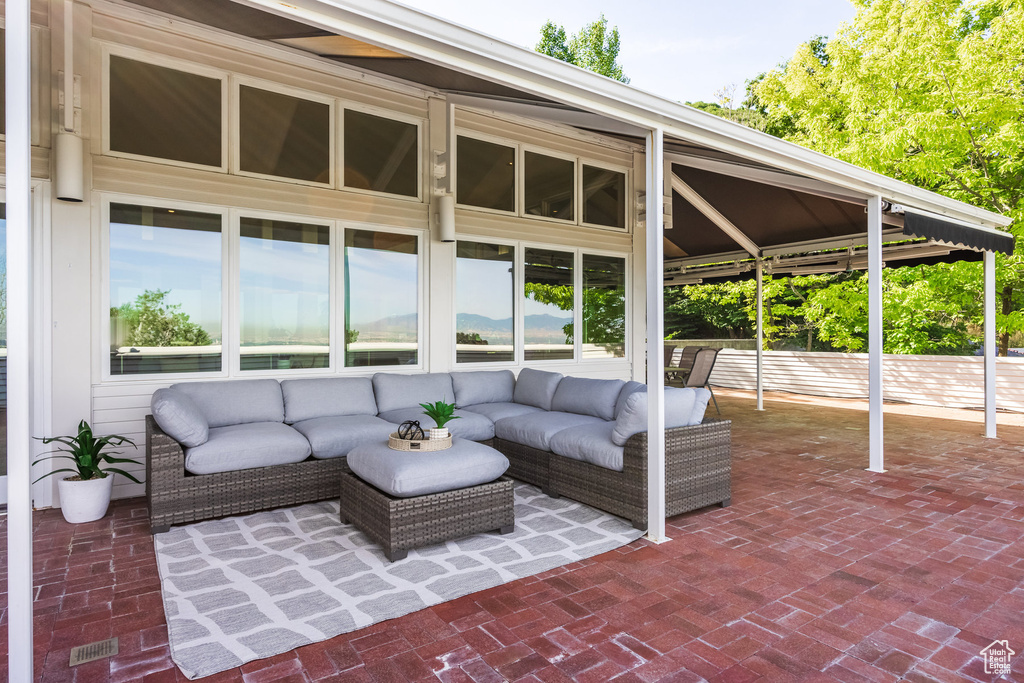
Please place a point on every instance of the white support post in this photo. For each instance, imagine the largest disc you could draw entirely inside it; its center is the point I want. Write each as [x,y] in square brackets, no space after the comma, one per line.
[19,323]
[875,439]
[990,344]
[655,338]
[760,334]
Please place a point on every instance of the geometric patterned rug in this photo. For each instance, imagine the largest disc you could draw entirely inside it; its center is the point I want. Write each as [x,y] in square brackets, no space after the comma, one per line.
[250,587]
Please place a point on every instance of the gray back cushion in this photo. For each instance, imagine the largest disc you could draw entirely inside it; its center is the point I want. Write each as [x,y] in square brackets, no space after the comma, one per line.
[179,417]
[587,396]
[483,386]
[307,399]
[629,388]
[237,401]
[536,388]
[394,391]
[679,412]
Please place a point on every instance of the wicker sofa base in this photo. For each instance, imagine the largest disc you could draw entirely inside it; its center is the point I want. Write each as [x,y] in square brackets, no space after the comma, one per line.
[698,472]
[176,497]
[400,524]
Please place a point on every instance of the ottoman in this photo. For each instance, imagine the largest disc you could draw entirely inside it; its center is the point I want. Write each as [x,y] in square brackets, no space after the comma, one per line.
[405,499]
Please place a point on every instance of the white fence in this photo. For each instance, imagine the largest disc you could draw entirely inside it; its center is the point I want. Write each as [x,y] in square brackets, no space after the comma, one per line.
[946,381]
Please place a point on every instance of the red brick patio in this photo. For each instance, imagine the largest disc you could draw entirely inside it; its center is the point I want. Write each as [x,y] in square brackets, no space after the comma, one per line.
[819,571]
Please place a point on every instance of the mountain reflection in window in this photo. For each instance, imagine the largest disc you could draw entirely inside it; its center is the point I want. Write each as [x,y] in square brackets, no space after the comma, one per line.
[381,299]
[484,292]
[548,306]
[604,307]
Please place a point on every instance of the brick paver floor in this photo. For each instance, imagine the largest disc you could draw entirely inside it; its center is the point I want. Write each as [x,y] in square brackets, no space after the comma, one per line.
[820,570]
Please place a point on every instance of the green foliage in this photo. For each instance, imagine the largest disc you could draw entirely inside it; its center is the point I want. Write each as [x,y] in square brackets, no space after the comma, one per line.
[927,91]
[594,48]
[751,118]
[440,412]
[469,338]
[151,321]
[89,454]
[351,336]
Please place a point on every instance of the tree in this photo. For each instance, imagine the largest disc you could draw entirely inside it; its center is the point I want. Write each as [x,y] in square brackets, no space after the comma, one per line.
[594,48]
[151,321]
[927,91]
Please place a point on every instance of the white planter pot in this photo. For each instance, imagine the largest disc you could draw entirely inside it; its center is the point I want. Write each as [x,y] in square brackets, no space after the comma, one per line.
[439,433]
[84,501]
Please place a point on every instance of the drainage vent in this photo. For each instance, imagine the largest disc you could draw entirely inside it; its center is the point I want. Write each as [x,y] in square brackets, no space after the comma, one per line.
[93,651]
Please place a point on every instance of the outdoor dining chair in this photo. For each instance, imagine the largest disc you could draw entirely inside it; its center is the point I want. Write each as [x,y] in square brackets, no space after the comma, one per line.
[700,374]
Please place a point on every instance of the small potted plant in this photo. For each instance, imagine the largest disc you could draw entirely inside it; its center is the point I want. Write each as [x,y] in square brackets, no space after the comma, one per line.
[441,413]
[85,496]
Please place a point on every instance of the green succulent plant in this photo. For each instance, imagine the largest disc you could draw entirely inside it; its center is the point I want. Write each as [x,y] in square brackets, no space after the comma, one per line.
[88,452]
[440,412]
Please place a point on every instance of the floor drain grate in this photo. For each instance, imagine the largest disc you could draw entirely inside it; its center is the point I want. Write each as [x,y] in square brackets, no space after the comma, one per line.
[93,651]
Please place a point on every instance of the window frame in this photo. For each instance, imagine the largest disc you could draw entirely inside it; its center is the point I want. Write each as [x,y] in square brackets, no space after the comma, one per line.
[157,59]
[237,215]
[422,279]
[628,217]
[228,338]
[235,167]
[576,190]
[494,140]
[339,149]
[519,300]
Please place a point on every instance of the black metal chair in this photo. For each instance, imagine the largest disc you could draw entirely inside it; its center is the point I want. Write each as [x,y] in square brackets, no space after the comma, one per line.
[700,373]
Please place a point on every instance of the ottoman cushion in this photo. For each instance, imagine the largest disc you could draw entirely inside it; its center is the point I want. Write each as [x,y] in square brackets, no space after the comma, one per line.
[405,474]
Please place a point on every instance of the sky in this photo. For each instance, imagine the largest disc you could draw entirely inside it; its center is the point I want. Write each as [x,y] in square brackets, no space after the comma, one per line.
[684,50]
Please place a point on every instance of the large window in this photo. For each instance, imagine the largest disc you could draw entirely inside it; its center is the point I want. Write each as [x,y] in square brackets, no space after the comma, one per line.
[484,310]
[549,186]
[604,197]
[285,282]
[3,337]
[381,154]
[165,290]
[549,305]
[284,136]
[160,112]
[604,307]
[486,174]
[381,298]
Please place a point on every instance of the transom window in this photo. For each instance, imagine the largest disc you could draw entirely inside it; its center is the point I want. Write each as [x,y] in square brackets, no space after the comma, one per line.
[381,154]
[486,175]
[285,136]
[550,186]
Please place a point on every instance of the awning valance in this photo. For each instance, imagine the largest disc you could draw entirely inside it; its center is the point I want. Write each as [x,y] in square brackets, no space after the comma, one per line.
[929,226]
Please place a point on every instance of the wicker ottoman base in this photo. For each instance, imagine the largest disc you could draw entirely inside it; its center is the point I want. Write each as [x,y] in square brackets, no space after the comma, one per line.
[398,524]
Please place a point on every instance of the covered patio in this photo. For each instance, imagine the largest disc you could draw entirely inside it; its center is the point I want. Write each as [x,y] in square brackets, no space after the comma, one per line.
[819,571]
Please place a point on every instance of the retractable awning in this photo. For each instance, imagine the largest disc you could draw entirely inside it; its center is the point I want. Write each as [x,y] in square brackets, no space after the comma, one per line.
[944,230]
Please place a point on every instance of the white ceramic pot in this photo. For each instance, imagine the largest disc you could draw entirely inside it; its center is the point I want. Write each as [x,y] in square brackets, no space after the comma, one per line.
[439,433]
[84,501]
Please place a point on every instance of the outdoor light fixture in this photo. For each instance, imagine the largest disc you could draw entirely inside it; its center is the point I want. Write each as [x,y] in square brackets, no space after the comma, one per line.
[446,217]
[69,151]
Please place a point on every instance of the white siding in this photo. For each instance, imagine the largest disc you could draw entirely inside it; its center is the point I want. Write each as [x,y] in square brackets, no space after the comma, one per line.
[946,381]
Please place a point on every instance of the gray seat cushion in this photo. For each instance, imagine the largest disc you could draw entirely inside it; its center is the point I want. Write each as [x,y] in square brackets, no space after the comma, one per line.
[236,401]
[590,443]
[241,447]
[308,399]
[536,387]
[179,417]
[333,437]
[586,396]
[497,411]
[406,474]
[536,429]
[394,391]
[681,410]
[472,426]
[483,386]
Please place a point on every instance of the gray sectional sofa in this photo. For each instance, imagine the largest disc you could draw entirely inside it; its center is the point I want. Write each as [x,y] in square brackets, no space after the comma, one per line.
[229,447]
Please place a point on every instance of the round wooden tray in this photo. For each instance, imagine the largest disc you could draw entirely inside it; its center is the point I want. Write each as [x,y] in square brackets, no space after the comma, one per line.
[421,445]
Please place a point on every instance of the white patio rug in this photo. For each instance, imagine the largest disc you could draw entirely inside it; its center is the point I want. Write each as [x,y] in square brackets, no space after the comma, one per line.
[245,588]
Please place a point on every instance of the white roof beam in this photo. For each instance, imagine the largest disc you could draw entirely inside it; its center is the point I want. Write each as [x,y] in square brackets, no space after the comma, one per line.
[713,215]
